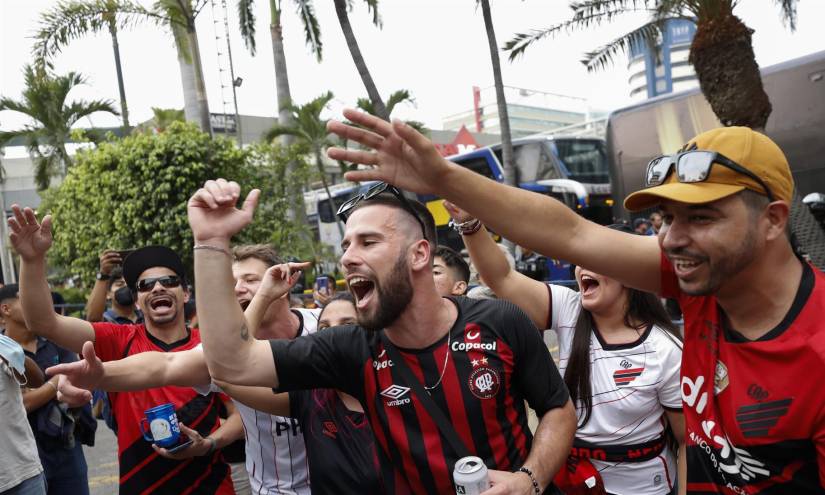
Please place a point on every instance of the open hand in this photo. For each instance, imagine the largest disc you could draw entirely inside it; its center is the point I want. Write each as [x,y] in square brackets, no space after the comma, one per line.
[199,446]
[30,238]
[212,212]
[78,378]
[402,156]
[279,279]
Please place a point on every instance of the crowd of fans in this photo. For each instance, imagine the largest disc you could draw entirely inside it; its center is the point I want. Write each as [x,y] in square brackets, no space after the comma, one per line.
[381,384]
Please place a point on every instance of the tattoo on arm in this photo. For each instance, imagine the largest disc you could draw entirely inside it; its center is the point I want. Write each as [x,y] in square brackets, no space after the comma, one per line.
[244,332]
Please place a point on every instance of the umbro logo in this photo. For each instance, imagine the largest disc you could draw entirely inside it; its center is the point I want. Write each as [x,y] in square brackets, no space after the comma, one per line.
[396,395]
[756,420]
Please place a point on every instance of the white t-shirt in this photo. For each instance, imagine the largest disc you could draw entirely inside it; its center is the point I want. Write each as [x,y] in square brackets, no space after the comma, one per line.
[275,453]
[18,456]
[632,384]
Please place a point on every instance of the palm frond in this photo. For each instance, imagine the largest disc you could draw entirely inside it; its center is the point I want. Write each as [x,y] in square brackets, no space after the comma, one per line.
[788,8]
[312,29]
[278,130]
[372,7]
[79,109]
[246,19]
[365,104]
[600,57]
[70,20]
[585,14]
[399,96]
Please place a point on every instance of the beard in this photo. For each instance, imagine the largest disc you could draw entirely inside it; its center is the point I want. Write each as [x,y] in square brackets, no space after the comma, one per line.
[733,262]
[394,295]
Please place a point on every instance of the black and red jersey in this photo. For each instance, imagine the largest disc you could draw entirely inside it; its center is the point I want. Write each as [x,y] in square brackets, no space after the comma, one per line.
[754,410]
[495,360]
[142,471]
[339,443]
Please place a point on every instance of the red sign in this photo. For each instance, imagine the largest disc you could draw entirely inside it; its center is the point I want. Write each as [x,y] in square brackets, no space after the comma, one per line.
[462,143]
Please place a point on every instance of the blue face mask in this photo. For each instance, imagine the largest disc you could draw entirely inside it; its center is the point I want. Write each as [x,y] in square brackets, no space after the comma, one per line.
[13,354]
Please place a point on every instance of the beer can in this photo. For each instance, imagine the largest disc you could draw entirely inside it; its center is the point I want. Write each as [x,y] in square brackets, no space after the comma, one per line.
[470,476]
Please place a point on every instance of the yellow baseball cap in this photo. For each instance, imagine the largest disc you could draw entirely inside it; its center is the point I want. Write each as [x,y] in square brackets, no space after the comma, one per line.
[748,148]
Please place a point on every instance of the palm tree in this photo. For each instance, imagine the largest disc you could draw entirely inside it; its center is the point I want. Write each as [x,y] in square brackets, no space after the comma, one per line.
[510,174]
[306,12]
[395,98]
[74,19]
[342,11]
[721,51]
[311,131]
[44,101]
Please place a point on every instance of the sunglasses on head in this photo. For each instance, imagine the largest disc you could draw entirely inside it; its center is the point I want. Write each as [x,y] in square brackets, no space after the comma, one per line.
[694,166]
[168,281]
[372,192]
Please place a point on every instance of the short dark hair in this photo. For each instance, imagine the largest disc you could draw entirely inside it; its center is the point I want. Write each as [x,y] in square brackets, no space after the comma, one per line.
[261,252]
[421,211]
[115,274]
[455,262]
[754,201]
[8,291]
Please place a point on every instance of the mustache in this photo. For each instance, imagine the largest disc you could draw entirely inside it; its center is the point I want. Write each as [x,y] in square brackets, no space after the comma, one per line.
[685,253]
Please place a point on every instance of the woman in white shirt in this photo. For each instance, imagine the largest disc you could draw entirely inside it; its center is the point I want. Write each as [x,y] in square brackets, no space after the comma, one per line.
[620,357]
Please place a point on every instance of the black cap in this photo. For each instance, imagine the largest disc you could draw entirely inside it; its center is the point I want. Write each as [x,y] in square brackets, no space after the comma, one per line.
[149,257]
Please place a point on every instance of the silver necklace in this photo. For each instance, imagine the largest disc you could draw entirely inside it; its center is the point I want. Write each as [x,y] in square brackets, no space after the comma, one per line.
[446,357]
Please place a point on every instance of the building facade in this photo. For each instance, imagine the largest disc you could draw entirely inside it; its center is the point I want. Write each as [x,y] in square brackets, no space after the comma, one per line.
[662,67]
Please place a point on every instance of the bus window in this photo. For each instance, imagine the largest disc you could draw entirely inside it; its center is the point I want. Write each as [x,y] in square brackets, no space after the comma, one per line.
[480,162]
[586,160]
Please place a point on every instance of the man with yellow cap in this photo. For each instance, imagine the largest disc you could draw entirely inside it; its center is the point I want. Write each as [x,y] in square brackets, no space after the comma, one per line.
[754,355]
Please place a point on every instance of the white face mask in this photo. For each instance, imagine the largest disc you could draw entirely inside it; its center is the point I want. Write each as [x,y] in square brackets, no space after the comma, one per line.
[14,355]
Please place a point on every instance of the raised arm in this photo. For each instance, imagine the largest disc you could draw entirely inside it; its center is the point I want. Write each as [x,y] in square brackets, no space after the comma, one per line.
[232,354]
[530,295]
[409,160]
[32,240]
[259,398]
[136,372]
[96,304]
[271,289]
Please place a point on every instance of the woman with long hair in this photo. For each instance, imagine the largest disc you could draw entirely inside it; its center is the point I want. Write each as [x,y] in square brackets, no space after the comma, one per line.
[620,356]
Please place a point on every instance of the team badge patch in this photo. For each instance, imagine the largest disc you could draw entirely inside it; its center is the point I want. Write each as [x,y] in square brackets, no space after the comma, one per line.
[623,377]
[484,382]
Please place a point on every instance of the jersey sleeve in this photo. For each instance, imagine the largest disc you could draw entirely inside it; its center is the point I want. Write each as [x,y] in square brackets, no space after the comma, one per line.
[565,305]
[328,359]
[670,284]
[536,375]
[670,388]
[111,340]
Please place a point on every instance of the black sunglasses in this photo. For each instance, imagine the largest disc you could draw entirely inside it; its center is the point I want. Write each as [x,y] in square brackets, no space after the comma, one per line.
[694,166]
[168,281]
[372,192]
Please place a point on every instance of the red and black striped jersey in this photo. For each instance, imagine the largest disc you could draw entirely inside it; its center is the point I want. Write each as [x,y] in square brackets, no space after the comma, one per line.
[495,360]
[754,410]
[143,471]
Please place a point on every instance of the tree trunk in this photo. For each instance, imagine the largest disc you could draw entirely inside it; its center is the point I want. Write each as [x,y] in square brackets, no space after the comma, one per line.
[510,172]
[358,59]
[296,210]
[722,55]
[319,162]
[191,111]
[124,110]
[200,84]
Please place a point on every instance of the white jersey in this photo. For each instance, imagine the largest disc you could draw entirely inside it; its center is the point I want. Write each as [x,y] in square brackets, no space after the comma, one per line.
[632,385]
[275,453]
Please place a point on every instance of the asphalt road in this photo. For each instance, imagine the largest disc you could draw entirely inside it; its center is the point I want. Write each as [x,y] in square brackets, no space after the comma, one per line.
[102,462]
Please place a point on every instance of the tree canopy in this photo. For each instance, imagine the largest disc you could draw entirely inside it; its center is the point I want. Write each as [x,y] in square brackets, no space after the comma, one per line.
[133,192]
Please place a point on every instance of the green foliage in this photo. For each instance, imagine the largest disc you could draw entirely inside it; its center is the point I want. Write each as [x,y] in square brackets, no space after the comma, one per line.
[133,192]
[44,101]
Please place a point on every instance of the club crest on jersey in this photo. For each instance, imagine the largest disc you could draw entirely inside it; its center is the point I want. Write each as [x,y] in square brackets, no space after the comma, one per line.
[623,377]
[396,395]
[484,382]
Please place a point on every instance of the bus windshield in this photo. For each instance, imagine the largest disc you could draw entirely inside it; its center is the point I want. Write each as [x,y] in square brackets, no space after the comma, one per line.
[586,160]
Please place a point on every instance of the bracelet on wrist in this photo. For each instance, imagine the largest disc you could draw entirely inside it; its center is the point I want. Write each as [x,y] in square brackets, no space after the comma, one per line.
[52,384]
[466,228]
[529,473]
[209,247]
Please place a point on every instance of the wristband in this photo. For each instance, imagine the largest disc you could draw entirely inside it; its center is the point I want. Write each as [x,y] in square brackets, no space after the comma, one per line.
[466,228]
[103,276]
[52,384]
[529,473]
[212,248]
